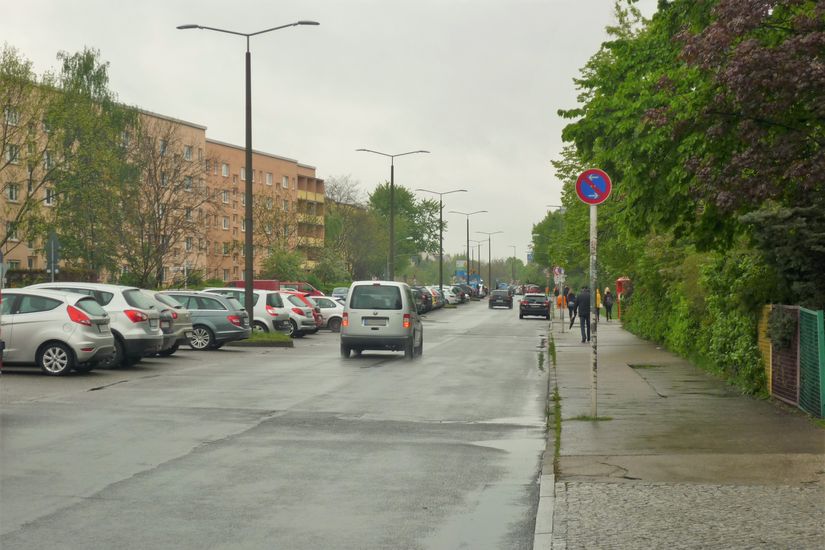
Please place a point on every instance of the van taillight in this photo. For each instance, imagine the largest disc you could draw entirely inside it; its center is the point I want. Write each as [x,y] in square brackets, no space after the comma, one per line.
[345,320]
[406,320]
[136,316]
[78,316]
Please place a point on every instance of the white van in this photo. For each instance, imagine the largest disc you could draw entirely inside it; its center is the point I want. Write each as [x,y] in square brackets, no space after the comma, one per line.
[381,315]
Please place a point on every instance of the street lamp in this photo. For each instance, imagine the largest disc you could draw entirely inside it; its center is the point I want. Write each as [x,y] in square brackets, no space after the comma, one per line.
[513,265]
[468,214]
[489,259]
[441,233]
[478,254]
[391,265]
[249,265]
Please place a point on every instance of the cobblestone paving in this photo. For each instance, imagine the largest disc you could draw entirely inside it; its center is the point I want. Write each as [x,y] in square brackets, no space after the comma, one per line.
[658,515]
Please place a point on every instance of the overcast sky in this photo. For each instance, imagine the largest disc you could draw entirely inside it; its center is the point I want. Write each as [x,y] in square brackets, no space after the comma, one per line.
[476,82]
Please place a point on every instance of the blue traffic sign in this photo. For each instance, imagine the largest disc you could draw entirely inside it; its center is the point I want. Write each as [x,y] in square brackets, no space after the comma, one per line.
[593,186]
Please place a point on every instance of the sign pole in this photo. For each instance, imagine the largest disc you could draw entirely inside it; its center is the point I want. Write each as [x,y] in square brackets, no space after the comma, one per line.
[593,186]
[594,356]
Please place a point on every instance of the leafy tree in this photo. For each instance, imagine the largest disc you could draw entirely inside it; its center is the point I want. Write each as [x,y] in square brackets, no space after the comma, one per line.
[96,176]
[284,264]
[414,218]
[168,206]
[29,146]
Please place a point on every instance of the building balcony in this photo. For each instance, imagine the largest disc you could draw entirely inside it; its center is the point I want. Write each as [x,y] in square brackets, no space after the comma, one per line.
[310,219]
[310,196]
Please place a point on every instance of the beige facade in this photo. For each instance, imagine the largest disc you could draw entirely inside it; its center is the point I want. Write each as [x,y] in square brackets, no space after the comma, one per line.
[209,238]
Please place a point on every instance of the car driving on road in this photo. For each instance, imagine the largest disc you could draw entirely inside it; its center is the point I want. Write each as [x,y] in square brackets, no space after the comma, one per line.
[534,304]
[381,315]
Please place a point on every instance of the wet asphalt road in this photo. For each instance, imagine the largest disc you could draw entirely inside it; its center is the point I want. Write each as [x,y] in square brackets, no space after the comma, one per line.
[285,448]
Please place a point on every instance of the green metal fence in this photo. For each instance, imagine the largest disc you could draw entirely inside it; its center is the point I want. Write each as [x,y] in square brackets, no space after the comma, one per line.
[812,362]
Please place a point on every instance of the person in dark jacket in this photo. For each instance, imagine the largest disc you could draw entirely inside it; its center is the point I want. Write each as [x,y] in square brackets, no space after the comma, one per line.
[608,303]
[571,306]
[583,308]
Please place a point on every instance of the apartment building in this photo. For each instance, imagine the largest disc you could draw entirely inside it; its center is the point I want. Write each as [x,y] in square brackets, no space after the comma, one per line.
[193,198]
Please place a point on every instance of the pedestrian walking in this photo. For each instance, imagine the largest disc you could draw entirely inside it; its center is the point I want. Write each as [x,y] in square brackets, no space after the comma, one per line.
[598,304]
[571,305]
[583,307]
[608,303]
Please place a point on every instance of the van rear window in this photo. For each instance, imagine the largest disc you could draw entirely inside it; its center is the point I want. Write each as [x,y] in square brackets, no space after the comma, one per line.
[375,297]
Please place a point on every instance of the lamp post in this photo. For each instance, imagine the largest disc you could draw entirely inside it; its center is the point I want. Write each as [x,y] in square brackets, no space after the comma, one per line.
[478,254]
[391,264]
[249,265]
[489,255]
[441,233]
[468,214]
[513,264]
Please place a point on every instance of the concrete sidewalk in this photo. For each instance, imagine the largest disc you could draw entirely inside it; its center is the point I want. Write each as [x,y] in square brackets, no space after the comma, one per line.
[683,462]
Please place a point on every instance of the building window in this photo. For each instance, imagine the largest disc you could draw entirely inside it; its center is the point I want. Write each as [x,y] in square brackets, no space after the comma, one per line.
[48,163]
[162,148]
[12,153]
[50,195]
[225,274]
[243,225]
[12,116]
[285,205]
[285,182]
[243,199]
[200,154]
[225,196]
[188,244]
[187,152]
[13,191]
[268,203]
[187,183]
[30,262]
[226,222]
[11,231]
[14,264]
[269,178]
[208,166]
[226,248]
[188,214]
[243,173]
[225,170]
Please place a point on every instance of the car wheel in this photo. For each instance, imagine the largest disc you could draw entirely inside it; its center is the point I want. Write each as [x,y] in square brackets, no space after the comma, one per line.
[170,351]
[116,358]
[409,349]
[55,359]
[85,367]
[335,324]
[521,316]
[345,351]
[420,351]
[201,338]
[292,330]
[259,327]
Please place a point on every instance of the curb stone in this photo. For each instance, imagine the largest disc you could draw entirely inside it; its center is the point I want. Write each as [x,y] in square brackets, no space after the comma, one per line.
[543,535]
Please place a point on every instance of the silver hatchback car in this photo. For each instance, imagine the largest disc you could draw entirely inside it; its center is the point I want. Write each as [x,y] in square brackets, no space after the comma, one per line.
[135,323]
[56,331]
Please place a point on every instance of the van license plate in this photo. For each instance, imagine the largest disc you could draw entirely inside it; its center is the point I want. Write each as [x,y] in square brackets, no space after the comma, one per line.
[375,321]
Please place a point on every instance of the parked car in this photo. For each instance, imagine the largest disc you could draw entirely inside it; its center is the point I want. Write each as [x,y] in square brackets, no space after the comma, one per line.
[381,315]
[301,315]
[423,299]
[269,313]
[438,298]
[534,304]
[450,296]
[216,319]
[55,330]
[340,292]
[500,297]
[134,319]
[331,311]
[274,284]
[180,322]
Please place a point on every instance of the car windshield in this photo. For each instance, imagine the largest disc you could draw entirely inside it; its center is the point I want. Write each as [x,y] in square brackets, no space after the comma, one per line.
[274,299]
[376,297]
[90,306]
[136,298]
[168,300]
